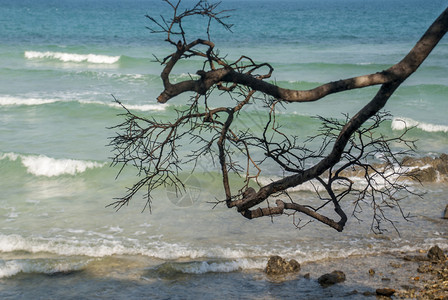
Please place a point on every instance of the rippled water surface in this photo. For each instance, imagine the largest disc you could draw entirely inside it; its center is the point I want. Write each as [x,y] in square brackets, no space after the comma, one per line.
[60,63]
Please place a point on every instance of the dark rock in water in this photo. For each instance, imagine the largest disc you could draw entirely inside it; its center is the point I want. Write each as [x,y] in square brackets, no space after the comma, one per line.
[385,292]
[425,268]
[415,258]
[279,266]
[423,169]
[354,292]
[428,169]
[445,215]
[436,254]
[331,278]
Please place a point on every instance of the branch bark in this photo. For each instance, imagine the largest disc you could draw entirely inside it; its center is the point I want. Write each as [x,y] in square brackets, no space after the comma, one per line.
[397,72]
[238,79]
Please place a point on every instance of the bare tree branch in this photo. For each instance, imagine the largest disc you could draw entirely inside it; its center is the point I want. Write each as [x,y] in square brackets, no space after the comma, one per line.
[151,145]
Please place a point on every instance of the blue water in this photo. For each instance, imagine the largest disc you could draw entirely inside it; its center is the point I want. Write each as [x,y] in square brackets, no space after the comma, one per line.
[60,63]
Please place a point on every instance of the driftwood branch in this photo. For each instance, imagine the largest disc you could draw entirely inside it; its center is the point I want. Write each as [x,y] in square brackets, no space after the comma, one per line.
[150,145]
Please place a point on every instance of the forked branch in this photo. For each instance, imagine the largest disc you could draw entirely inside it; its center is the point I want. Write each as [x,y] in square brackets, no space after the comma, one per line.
[151,145]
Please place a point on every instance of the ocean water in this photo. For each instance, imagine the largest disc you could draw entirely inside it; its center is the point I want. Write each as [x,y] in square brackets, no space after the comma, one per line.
[60,63]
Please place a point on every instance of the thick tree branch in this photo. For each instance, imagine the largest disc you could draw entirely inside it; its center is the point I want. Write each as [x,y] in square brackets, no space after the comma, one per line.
[151,145]
[397,72]
[402,70]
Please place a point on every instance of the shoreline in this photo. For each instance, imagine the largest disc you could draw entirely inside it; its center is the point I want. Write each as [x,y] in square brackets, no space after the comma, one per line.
[410,274]
[407,275]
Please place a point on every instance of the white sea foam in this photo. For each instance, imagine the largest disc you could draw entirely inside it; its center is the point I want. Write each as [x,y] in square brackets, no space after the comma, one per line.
[142,107]
[10,156]
[25,101]
[95,246]
[47,166]
[403,123]
[41,165]
[309,186]
[183,76]
[14,101]
[222,267]
[219,259]
[12,267]
[73,57]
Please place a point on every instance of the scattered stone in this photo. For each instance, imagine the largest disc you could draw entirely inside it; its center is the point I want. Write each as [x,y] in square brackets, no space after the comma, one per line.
[306,276]
[368,293]
[385,292]
[279,266]
[445,215]
[385,279]
[331,278]
[408,287]
[371,272]
[425,268]
[354,292]
[395,265]
[415,258]
[433,285]
[436,254]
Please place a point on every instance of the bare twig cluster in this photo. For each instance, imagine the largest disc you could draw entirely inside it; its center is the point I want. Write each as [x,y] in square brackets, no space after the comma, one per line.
[346,147]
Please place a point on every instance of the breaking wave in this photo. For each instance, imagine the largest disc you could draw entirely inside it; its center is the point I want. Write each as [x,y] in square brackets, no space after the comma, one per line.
[72,57]
[13,267]
[141,107]
[41,165]
[403,123]
[16,101]
[23,101]
[178,258]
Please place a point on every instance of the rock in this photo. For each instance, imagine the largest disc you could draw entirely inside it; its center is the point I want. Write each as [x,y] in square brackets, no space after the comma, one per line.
[436,254]
[425,268]
[423,169]
[445,215]
[331,278]
[395,265]
[428,169]
[416,258]
[385,292]
[279,266]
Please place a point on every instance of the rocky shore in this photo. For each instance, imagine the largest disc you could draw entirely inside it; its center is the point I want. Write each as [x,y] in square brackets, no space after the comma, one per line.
[416,275]
[434,286]
[424,169]
[428,169]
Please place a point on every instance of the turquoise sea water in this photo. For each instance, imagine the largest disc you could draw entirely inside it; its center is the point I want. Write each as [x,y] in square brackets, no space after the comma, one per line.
[61,62]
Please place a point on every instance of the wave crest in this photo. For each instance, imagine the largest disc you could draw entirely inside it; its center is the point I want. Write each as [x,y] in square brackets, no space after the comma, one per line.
[16,101]
[73,57]
[10,268]
[22,101]
[41,165]
[403,123]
